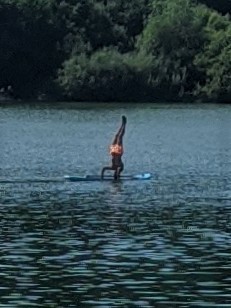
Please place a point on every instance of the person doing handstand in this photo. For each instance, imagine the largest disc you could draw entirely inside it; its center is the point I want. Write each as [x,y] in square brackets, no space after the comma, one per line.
[116,151]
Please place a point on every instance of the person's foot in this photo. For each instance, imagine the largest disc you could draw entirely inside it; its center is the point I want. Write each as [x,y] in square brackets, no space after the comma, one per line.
[124,120]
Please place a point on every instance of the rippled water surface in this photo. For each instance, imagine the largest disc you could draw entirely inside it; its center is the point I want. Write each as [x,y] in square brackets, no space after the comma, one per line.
[165,242]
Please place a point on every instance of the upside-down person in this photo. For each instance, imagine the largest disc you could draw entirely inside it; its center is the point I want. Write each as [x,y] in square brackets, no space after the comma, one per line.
[116,151]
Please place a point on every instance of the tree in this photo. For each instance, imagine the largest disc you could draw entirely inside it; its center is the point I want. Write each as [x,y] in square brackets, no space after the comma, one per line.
[107,75]
[222,6]
[174,35]
[215,60]
[28,56]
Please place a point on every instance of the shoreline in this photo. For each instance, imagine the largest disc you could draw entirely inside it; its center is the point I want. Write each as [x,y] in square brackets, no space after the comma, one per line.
[11,101]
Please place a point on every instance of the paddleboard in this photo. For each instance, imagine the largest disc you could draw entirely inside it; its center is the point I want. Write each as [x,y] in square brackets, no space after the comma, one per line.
[89,178]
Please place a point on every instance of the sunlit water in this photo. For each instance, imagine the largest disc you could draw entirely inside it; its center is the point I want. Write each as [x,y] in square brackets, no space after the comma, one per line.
[159,243]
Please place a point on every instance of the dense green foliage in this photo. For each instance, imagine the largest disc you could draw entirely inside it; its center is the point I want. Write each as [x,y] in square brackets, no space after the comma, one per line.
[222,6]
[114,50]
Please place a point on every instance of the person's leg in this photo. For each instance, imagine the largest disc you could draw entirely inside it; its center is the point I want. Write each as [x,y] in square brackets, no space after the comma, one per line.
[119,136]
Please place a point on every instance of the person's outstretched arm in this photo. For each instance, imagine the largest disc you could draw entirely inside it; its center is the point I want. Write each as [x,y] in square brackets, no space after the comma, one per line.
[103,170]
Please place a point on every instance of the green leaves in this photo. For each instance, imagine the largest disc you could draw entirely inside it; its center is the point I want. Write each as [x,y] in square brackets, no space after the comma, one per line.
[173,36]
[222,6]
[116,50]
[190,46]
[107,75]
[215,60]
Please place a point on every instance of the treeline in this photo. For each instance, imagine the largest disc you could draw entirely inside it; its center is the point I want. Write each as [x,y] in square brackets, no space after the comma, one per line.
[115,50]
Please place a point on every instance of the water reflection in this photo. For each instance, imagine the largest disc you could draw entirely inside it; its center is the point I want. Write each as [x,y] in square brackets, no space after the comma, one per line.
[164,242]
[115,245]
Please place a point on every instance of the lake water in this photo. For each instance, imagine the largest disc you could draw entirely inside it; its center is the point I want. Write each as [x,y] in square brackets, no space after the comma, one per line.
[165,242]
